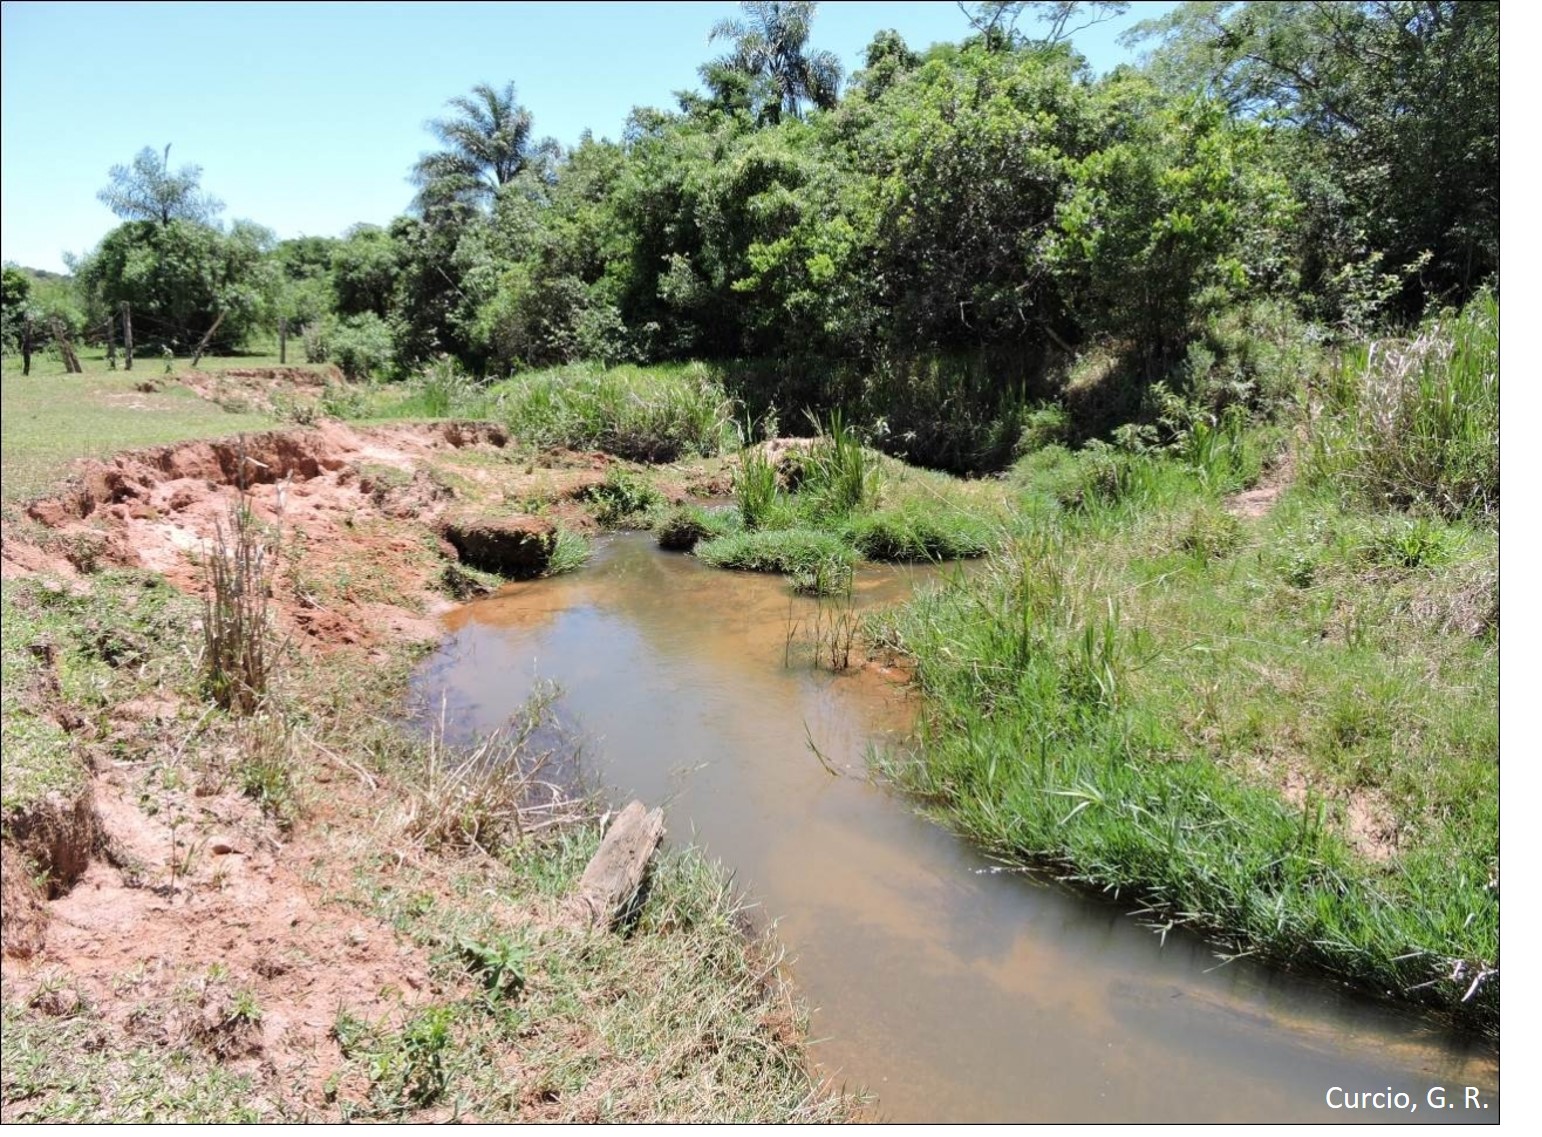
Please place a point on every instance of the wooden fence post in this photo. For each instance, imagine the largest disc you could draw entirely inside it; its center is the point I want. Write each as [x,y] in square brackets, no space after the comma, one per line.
[128,338]
[207,336]
[66,349]
[283,336]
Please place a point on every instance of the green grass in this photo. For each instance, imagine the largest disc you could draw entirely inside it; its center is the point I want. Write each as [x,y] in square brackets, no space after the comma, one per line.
[831,501]
[787,551]
[57,1071]
[670,1022]
[915,531]
[87,649]
[1284,732]
[49,420]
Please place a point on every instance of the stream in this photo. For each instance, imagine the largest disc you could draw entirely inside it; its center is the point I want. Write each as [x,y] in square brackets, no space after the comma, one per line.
[952,988]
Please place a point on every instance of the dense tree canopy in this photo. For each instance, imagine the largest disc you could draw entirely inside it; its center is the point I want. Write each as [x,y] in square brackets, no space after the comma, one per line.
[1390,113]
[930,249]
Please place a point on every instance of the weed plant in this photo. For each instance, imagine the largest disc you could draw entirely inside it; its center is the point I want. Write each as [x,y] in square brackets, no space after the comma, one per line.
[237,631]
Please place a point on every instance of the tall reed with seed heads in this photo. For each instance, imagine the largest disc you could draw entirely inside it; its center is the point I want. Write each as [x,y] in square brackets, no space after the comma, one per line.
[237,631]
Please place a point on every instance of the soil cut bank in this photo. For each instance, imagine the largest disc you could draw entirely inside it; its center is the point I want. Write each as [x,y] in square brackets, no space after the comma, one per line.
[299,914]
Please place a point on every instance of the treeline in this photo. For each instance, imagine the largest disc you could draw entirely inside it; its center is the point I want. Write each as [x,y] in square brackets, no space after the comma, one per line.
[935,247]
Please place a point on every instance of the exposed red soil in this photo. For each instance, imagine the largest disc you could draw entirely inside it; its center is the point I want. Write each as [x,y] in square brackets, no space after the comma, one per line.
[162,934]
[353,513]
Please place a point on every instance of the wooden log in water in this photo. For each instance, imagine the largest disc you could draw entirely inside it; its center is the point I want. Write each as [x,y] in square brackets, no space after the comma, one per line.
[611,882]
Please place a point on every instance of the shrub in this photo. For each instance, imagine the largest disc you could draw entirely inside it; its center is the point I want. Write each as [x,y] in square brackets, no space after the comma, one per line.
[359,345]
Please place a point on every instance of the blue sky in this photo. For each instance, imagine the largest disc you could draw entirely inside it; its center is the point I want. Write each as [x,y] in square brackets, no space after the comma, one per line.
[306,117]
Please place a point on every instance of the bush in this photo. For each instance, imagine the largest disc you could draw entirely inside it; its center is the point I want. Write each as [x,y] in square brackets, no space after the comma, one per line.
[655,414]
[359,345]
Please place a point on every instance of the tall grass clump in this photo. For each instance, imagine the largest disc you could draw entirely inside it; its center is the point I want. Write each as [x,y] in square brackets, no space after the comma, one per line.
[237,632]
[652,414]
[757,487]
[1416,422]
[795,552]
[921,531]
[837,476]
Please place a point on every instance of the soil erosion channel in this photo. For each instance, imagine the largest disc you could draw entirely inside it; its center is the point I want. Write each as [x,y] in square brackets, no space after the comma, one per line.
[951,988]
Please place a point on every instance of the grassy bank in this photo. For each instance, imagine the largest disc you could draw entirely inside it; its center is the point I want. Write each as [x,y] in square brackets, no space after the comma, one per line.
[1279,729]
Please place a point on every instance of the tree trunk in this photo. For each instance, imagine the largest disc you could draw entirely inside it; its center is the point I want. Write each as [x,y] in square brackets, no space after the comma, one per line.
[283,337]
[207,336]
[112,347]
[128,337]
[26,345]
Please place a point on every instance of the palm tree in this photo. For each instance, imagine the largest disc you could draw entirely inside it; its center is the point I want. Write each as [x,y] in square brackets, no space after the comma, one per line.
[487,146]
[770,46]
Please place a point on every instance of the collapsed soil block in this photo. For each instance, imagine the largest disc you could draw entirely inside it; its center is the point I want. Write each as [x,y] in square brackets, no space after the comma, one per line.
[515,547]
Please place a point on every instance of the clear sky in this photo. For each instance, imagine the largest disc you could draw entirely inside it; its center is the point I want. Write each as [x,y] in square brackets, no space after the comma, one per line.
[306,117]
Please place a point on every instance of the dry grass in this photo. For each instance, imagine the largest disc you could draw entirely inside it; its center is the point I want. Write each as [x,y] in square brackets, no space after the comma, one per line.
[495,792]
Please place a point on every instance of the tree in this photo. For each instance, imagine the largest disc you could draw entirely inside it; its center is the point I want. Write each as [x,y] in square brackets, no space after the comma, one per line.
[487,145]
[1391,111]
[771,45]
[182,278]
[996,20]
[147,190]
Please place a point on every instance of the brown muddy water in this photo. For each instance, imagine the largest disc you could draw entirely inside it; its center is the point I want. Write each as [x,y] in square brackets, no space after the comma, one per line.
[952,988]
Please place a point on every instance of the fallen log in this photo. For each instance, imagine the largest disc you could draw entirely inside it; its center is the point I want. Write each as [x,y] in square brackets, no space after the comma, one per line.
[610,885]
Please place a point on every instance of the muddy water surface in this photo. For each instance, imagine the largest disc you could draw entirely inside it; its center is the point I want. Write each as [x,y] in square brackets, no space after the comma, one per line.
[953,989]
